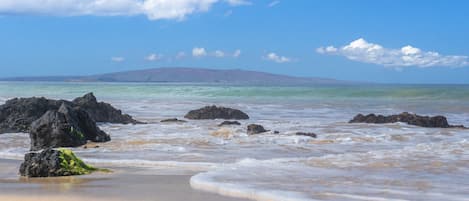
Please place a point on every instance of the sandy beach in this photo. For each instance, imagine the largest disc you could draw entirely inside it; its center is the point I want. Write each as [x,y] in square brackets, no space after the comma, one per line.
[121,185]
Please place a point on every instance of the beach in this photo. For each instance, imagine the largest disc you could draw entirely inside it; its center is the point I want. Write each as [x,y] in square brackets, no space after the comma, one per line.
[123,184]
[200,160]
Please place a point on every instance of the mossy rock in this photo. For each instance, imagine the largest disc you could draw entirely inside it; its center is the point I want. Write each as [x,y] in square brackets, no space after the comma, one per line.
[53,163]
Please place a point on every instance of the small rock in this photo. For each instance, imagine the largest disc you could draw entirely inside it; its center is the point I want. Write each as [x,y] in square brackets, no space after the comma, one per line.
[172,120]
[276,132]
[254,129]
[313,135]
[228,123]
[214,112]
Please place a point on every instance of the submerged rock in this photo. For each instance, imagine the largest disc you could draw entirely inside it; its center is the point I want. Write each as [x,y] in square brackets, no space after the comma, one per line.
[313,135]
[214,112]
[229,123]
[173,120]
[17,114]
[65,127]
[54,163]
[412,119]
[254,129]
[101,111]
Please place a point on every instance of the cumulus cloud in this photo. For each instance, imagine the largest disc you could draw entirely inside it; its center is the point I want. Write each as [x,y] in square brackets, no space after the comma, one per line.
[199,52]
[117,59]
[153,9]
[202,52]
[153,57]
[277,58]
[363,51]
[273,3]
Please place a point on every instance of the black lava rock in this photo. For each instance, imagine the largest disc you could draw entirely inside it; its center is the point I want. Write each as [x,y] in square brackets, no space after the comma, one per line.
[65,127]
[254,129]
[214,112]
[412,119]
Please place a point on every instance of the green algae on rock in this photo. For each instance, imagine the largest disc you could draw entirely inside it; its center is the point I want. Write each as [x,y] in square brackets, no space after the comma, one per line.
[72,165]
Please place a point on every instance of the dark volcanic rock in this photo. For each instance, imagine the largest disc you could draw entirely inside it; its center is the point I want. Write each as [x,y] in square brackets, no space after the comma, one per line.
[17,114]
[412,119]
[43,164]
[53,163]
[214,112]
[102,112]
[313,135]
[228,123]
[65,127]
[173,120]
[255,129]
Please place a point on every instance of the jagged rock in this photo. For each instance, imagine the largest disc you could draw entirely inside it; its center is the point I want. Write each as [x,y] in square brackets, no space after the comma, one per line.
[313,135]
[214,112]
[173,120]
[53,163]
[412,119]
[65,127]
[254,129]
[229,123]
[17,114]
[102,112]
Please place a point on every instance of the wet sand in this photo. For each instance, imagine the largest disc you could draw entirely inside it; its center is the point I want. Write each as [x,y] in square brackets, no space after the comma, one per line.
[121,185]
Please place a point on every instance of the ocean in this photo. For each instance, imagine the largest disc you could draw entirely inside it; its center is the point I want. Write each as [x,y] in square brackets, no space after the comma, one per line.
[386,162]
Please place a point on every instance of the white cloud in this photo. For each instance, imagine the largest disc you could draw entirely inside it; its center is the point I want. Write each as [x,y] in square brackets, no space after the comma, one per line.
[363,51]
[276,58]
[273,3]
[202,52]
[153,9]
[219,53]
[199,52]
[174,9]
[237,53]
[238,2]
[118,59]
[153,57]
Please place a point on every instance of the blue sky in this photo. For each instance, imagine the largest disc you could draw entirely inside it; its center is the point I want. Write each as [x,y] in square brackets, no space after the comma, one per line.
[379,41]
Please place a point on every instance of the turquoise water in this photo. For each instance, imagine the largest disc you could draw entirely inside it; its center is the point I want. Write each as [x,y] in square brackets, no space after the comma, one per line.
[139,90]
[346,162]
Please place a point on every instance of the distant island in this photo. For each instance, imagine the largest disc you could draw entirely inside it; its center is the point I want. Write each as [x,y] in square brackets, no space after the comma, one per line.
[187,75]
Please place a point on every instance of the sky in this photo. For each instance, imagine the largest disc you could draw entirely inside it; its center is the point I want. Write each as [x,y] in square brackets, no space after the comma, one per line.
[386,41]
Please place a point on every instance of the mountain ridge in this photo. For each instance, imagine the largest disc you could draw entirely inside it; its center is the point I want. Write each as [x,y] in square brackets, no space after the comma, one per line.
[187,75]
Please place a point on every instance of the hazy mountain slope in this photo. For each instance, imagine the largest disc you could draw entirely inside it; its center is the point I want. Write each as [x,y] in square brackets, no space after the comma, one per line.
[187,75]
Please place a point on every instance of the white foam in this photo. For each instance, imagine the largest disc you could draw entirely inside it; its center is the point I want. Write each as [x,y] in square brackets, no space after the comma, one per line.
[205,182]
[194,166]
[11,155]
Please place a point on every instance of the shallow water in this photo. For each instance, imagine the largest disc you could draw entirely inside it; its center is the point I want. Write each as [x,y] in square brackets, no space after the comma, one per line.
[345,162]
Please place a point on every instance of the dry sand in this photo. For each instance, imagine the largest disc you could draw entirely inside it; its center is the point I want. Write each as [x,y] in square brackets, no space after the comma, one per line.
[121,185]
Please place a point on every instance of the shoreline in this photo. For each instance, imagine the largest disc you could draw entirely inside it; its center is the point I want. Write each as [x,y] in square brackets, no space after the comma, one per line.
[124,184]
